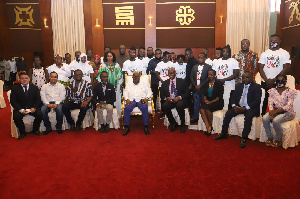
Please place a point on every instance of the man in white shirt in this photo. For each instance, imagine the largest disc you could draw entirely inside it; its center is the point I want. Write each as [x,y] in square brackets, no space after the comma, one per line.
[75,61]
[272,62]
[207,59]
[136,95]
[13,70]
[53,94]
[132,64]
[180,67]
[144,60]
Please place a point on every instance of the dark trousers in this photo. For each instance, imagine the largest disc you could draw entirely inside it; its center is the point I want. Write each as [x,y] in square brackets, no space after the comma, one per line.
[249,114]
[198,99]
[12,78]
[67,107]
[230,99]
[18,119]
[265,102]
[180,106]
[59,116]
[154,88]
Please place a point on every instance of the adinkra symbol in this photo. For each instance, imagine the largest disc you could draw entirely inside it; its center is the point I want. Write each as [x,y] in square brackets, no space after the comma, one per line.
[295,6]
[24,16]
[185,15]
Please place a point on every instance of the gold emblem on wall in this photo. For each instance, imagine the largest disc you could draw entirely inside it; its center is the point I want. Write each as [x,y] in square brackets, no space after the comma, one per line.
[24,16]
[124,15]
[185,15]
[295,7]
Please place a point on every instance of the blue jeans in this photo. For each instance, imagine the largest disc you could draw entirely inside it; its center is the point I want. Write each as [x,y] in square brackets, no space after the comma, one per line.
[59,116]
[198,98]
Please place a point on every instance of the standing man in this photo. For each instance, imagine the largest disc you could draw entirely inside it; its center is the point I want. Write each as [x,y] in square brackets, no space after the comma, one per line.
[136,95]
[180,67]
[5,67]
[68,58]
[272,62]
[199,76]
[122,57]
[74,62]
[104,97]
[132,64]
[173,57]
[144,60]
[207,59]
[175,92]
[21,64]
[25,99]
[246,100]
[150,53]
[154,80]
[90,55]
[79,95]
[53,95]
[248,60]
[13,71]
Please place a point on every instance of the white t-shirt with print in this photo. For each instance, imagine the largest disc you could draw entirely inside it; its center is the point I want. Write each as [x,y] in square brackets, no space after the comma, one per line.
[132,66]
[224,69]
[209,61]
[63,73]
[86,70]
[274,61]
[180,70]
[199,72]
[163,68]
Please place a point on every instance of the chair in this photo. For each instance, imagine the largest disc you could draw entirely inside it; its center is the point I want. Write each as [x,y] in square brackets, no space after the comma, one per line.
[177,118]
[291,129]
[115,120]
[236,124]
[2,101]
[218,116]
[146,80]
[87,121]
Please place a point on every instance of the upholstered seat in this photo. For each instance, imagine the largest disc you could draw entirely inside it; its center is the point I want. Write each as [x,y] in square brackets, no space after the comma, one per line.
[2,101]
[115,124]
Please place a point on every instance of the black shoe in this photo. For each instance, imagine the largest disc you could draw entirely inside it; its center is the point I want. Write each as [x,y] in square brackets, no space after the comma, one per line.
[194,121]
[60,131]
[173,127]
[72,128]
[243,143]
[162,116]
[146,130]
[77,129]
[36,133]
[209,134]
[220,136]
[21,136]
[106,128]
[126,131]
[183,129]
[47,132]
[102,128]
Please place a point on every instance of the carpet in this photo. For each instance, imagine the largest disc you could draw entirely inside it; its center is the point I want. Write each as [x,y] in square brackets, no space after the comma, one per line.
[162,165]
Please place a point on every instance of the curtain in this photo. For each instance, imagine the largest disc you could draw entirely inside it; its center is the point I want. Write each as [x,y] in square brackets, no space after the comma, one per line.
[68,26]
[248,19]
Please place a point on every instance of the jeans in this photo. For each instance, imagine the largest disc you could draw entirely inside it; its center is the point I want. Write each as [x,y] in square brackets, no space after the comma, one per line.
[198,98]
[59,116]
[277,121]
[67,107]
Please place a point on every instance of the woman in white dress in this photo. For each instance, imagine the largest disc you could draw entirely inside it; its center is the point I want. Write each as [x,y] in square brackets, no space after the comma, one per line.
[61,69]
[87,70]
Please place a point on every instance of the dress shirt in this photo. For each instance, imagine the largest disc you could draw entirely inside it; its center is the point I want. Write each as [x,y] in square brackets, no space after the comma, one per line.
[50,93]
[137,92]
[245,94]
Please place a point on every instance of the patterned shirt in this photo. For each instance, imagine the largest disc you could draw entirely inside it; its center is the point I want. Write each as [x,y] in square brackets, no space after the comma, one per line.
[247,62]
[80,94]
[115,75]
[284,101]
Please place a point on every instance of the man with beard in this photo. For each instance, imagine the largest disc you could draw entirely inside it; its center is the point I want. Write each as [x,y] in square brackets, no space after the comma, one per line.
[132,64]
[89,54]
[150,53]
[122,57]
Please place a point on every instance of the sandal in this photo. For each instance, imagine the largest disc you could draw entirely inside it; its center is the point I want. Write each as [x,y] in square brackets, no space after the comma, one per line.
[276,143]
[269,142]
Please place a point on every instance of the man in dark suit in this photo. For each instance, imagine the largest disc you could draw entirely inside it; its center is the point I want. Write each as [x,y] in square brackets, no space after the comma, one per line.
[104,98]
[198,77]
[246,100]
[25,99]
[175,94]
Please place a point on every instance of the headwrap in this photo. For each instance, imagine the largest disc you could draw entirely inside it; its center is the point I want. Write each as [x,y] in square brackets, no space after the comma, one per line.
[97,56]
[58,55]
[82,55]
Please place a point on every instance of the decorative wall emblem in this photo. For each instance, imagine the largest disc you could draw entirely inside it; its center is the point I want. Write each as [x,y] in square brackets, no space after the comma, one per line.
[185,15]
[124,15]
[295,7]
[24,16]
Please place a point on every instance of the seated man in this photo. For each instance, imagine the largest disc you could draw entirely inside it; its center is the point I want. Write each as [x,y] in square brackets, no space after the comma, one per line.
[136,95]
[175,94]
[104,97]
[53,95]
[79,95]
[246,100]
[25,99]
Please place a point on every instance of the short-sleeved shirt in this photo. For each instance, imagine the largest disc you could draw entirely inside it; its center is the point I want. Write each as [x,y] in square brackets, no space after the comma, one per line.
[180,70]
[163,68]
[86,69]
[63,72]
[132,66]
[274,61]
[224,69]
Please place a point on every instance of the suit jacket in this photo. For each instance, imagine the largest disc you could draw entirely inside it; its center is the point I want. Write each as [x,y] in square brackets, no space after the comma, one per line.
[181,87]
[204,74]
[110,94]
[218,90]
[253,97]
[19,101]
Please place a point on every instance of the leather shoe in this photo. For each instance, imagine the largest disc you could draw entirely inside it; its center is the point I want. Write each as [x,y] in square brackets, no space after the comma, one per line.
[126,131]
[77,129]
[220,136]
[182,129]
[146,130]
[102,128]
[243,143]
[47,132]
[60,131]
[194,121]
[21,136]
[106,128]
[72,128]
[36,133]
[173,127]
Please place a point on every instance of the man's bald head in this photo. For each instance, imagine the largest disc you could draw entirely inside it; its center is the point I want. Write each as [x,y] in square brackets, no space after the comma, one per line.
[172,73]
[136,77]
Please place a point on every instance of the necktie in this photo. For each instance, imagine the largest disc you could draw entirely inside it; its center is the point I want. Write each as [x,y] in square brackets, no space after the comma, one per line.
[26,91]
[173,90]
[103,87]
[242,102]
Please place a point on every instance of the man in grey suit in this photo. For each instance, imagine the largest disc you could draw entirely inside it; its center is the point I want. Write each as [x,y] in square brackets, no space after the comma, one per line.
[198,77]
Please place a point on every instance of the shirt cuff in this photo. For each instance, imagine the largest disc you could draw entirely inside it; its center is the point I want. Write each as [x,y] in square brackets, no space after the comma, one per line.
[248,107]
[21,110]
[180,97]
[57,102]
[233,105]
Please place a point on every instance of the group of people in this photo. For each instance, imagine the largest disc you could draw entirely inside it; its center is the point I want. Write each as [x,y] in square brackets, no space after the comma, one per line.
[97,83]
